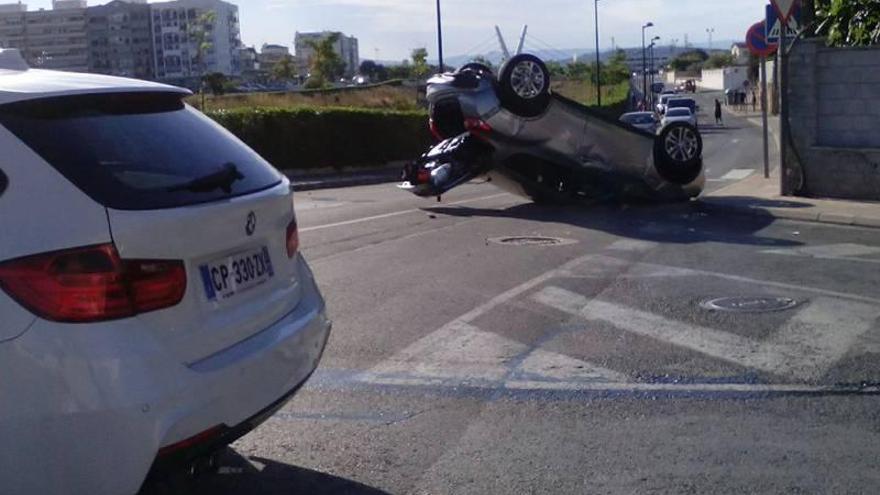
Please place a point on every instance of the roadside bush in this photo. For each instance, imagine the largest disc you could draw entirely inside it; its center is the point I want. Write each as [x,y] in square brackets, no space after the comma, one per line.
[304,138]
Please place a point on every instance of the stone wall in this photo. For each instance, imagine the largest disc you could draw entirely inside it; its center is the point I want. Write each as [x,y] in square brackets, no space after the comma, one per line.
[834,96]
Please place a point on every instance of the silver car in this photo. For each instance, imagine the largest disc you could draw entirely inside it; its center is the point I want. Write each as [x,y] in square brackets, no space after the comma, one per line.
[528,140]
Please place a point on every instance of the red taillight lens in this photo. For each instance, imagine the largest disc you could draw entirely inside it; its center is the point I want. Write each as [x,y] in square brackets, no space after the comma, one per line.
[92,284]
[477,127]
[292,239]
[423,176]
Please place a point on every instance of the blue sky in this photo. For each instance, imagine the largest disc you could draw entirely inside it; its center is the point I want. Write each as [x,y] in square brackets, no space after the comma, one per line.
[392,28]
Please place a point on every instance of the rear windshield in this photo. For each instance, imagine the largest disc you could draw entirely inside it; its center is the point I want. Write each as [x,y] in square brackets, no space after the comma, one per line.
[679,112]
[682,103]
[138,151]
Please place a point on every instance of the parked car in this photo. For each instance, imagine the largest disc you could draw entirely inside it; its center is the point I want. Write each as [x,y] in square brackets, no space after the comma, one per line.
[154,306]
[664,99]
[645,121]
[688,103]
[513,130]
[680,114]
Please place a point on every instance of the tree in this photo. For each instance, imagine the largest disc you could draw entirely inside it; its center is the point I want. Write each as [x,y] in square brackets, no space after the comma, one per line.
[718,61]
[216,82]
[376,72]
[847,22]
[326,64]
[402,71]
[420,67]
[284,70]
[200,33]
[691,61]
[616,70]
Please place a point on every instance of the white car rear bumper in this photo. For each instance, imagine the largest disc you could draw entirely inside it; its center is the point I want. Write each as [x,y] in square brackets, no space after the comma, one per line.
[85,409]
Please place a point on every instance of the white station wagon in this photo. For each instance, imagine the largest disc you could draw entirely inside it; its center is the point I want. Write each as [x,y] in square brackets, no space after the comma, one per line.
[153,303]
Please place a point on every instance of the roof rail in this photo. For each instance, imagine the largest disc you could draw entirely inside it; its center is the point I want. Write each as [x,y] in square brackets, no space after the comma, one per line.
[11,59]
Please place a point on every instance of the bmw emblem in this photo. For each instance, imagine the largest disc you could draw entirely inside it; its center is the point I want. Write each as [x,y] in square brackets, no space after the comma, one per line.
[251,224]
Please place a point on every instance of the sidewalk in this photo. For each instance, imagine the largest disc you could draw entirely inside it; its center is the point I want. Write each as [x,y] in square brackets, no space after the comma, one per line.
[759,196]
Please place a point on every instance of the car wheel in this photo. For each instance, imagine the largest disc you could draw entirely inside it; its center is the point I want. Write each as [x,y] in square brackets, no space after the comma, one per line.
[476,67]
[678,153]
[524,85]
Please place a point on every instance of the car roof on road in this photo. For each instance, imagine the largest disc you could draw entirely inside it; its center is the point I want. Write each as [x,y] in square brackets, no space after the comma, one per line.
[18,82]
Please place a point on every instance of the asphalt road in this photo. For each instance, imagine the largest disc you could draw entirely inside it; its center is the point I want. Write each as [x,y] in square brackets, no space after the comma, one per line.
[463,363]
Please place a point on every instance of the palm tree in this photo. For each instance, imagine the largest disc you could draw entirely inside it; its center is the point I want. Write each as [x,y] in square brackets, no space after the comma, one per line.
[200,32]
[326,64]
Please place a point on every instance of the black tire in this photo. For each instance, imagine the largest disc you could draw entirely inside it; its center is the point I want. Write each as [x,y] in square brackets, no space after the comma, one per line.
[678,153]
[476,67]
[524,85]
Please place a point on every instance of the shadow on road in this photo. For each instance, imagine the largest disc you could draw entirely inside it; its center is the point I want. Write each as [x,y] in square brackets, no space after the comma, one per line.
[673,224]
[754,202]
[239,475]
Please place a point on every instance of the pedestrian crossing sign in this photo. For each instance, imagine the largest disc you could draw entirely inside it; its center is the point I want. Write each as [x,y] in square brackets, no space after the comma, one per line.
[774,24]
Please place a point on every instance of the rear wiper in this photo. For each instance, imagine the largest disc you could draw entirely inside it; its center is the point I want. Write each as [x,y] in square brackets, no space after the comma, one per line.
[221,179]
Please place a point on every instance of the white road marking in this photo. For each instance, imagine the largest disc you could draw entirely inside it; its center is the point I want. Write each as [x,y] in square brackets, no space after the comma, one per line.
[737,174]
[633,245]
[394,214]
[460,354]
[844,252]
[804,348]
[737,278]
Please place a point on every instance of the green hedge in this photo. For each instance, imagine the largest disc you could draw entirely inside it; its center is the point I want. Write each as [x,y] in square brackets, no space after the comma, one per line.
[303,138]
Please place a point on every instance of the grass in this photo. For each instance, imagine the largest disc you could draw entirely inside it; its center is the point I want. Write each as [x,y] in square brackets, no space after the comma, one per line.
[389,97]
[585,92]
[381,97]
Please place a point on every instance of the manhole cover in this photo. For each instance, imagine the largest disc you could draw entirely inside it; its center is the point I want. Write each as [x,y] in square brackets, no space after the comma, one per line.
[532,241]
[751,304]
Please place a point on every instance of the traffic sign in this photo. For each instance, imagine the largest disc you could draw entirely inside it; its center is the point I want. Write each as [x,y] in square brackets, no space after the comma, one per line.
[774,24]
[785,8]
[756,39]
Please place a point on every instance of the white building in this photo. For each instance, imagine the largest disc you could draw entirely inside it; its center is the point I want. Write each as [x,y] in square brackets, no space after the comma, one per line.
[346,47]
[740,54]
[732,78]
[176,49]
[49,39]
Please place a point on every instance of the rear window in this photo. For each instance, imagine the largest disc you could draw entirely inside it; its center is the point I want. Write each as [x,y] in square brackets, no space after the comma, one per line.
[138,151]
[679,112]
[640,119]
[682,103]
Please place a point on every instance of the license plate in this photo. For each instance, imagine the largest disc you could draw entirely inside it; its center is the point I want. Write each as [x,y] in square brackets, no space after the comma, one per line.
[232,275]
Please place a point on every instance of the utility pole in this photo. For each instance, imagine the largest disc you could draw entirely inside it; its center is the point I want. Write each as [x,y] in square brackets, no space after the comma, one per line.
[439,37]
[710,32]
[645,64]
[598,59]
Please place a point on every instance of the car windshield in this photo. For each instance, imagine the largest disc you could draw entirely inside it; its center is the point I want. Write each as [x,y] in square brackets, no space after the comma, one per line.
[138,151]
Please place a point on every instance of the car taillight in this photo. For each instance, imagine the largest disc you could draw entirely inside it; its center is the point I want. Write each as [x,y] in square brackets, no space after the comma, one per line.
[92,284]
[477,127]
[292,239]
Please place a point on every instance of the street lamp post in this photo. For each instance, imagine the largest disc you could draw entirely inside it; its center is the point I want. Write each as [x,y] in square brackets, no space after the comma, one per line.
[598,60]
[439,37]
[710,32]
[654,41]
[645,63]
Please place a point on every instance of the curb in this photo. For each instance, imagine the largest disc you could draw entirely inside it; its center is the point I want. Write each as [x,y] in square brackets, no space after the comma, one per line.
[803,216]
[345,178]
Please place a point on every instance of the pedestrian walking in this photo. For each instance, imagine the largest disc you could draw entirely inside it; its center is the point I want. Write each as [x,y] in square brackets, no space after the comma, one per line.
[754,101]
[718,119]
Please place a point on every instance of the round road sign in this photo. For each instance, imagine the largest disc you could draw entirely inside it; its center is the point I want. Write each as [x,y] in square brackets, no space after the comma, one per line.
[756,39]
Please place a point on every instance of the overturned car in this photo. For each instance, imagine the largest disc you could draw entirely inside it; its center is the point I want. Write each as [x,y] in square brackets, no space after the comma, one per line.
[514,131]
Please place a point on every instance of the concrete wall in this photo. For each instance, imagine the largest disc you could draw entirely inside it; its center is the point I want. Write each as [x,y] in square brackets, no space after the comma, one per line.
[834,96]
[726,78]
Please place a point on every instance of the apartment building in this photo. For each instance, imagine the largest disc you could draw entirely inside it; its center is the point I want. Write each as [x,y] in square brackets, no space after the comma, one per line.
[346,47]
[175,46]
[49,39]
[120,39]
[270,55]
